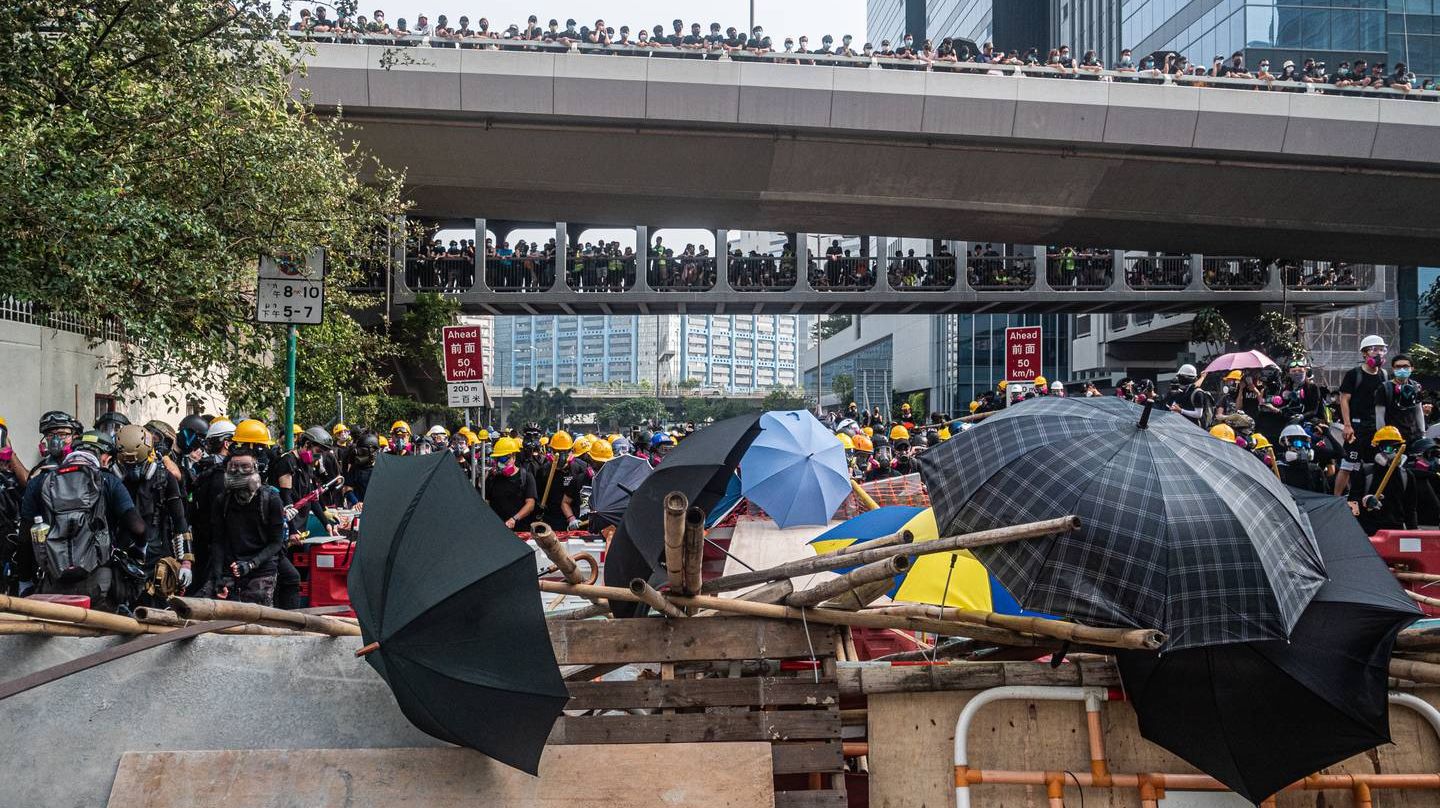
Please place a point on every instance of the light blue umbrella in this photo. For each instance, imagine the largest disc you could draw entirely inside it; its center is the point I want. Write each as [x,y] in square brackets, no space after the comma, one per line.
[795,469]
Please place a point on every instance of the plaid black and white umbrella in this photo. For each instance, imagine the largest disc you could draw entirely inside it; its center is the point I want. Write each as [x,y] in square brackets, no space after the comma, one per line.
[1179,531]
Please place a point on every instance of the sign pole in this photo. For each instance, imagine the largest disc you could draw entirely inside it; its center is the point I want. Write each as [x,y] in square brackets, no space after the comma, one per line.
[291,341]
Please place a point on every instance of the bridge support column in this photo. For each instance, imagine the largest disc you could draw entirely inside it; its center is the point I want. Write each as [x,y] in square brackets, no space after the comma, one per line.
[399,243]
[722,261]
[961,250]
[1117,271]
[802,262]
[882,262]
[482,281]
[1197,273]
[1275,282]
[642,259]
[562,258]
[1042,269]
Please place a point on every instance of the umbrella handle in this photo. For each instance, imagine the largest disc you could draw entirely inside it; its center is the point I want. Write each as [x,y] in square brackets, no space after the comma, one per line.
[592,563]
[367,650]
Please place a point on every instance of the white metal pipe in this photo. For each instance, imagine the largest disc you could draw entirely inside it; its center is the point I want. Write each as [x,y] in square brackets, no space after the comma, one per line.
[1419,705]
[1092,696]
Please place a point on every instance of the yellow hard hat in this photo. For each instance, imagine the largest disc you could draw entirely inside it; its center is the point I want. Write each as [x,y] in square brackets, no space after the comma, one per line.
[1386,434]
[297,429]
[400,426]
[1234,376]
[944,433]
[1002,385]
[863,444]
[601,451]
[1261,442]
[581,446]
[252,431]
[974,405]
[484,435]
[562,441]
[1223,432]
[382,440]
[611,438]
[846,441]
[899,432]
[465,433]
[869,431]
[505,447]
[1040,381]
[338,428]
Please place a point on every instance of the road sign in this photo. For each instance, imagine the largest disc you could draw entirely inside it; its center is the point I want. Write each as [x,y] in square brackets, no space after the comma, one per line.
[291,292]
[463,361]
[1023,352]
[466,394]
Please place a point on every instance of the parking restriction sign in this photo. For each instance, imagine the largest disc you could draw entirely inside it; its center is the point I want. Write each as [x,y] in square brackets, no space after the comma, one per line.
[462,353]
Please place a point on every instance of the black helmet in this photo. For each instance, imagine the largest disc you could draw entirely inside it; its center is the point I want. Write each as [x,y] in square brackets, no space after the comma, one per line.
[97,441]
[1422,446]
[111,421]
[191,434]
[880,440]
[368,441]
[932,437]
[317,434]
[59,419]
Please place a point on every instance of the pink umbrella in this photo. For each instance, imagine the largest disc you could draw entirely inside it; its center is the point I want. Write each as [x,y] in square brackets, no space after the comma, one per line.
[1240,360]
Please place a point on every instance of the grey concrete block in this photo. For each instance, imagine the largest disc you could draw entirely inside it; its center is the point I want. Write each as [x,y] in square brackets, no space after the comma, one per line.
[878,100]
[414,78]
[1151,114]
[1407,130]
[1332,125]
[786,95]
[336,77]
[594,86]
[970,104]
[1061,109]
[507,81]
[1240,120]
[693,90]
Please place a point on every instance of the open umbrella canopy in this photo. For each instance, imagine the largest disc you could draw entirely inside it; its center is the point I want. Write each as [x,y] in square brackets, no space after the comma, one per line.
[1258,716]
[450,597]
[1241,360]
[795,469]
[930,579]
[1179,532]
[610,491]
[701,468]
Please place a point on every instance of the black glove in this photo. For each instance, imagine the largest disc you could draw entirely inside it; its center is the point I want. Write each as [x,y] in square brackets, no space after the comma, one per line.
[244,568]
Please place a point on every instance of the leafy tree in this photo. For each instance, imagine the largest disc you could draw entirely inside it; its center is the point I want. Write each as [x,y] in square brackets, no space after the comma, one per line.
[783,398]
[418,358]
[1426,358]
[533,406]
[1275,335]
[628,412]
[829,325]
[844,388]
[561,402]
[149,153]
[702,410]
[1210,327]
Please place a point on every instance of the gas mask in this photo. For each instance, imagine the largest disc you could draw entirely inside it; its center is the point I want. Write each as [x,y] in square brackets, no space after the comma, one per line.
[511,468]
[883,455]
[1299,452]
[243,485]
[1375,357]
[136,472]
[1384,455]
[1297,378]
[306,457]
[55,447]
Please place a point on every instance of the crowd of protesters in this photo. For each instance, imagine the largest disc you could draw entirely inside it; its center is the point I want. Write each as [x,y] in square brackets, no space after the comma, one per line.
[696,41]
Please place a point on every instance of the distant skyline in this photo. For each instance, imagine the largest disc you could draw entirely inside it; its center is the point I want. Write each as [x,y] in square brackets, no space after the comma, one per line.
[779,18]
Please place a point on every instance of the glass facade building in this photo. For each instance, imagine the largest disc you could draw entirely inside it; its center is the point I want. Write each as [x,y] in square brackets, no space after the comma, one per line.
[887,19]
[977,344]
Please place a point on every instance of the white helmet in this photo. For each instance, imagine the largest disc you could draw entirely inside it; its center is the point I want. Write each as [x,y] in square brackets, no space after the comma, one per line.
[438,431]
[220,428]
[1372,341]
[1057,385]
[1187,369]
[1294,431]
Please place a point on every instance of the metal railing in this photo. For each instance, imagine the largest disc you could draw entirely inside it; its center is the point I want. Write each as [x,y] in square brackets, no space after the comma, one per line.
[1089,271]
[761,273]
[426,274]
[373,277]
[1001,273]
[600,274]
[842,274]
[681,273]
[1235,273]
[1300,276]
[520,273]
[1157,272]
[25,311]
[921,273]
[499,42]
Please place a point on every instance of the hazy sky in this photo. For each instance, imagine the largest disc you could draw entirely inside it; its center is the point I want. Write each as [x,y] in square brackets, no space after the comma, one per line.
[780,18]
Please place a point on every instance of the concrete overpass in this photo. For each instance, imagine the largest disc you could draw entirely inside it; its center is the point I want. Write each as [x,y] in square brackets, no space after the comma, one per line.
[677,142]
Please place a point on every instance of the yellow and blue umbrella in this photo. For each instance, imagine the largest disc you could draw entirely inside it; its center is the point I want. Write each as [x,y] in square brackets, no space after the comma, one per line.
[931,579]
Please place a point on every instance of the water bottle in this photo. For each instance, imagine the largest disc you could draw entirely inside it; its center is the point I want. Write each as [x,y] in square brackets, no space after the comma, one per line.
[39,532]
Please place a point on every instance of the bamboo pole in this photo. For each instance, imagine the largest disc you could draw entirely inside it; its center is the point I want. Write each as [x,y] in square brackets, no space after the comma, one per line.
[201,609]
[593,610]
[40,627]
[168,619]
[72,614]
[864,496]
[1414,671]
[648,595]
[820,616]
[883,570]
[1422,577]
[1418,639]
[770,593]
[676,504]
[694,540]
[899,537]
[859,597]
[545,539]
[832,561]
[1425,599]
[1058,629]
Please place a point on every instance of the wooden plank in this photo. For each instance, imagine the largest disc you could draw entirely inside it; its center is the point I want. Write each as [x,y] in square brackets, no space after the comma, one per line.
[735,775]
[809,756]
[869,678]
[757,691]
[769,725]
[825,798]
[590,642]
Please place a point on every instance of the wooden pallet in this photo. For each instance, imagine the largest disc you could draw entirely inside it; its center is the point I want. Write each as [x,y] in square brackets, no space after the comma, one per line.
[796,712]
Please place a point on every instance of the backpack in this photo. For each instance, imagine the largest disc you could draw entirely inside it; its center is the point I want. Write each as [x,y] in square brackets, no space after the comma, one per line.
[73,499]
[1206,406]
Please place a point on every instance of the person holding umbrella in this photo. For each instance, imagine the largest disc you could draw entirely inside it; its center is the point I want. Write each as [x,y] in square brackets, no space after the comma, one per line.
[510,491]
[1383,493]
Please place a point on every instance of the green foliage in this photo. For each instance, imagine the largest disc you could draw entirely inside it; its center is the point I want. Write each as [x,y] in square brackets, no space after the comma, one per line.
[1210,326]
[783,398]
[1425,359]
[541,406]
[149,153]
[629,412]
[701,410]
[844,388]
[1276,335]
[829,325]
[379,411]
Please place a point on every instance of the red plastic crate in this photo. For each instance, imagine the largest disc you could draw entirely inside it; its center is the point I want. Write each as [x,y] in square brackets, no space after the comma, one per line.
[1412,551]
[300,559]
[329,569]
[81,601]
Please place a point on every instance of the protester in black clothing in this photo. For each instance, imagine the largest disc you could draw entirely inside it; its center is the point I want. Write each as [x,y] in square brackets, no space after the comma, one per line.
[1359,397]
[1399,401]
[1186,398]
[360,467]
[510,490]
[1398,507]
[157,498]
[248,528]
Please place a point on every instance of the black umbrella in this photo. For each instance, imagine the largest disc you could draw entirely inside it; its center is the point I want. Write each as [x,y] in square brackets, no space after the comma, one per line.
[610,491]
[700,468]
[1179,531]
[1258,716]
[450,597]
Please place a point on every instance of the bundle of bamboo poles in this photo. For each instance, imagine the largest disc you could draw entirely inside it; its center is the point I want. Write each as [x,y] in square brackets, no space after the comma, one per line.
[40,617]
[840,600]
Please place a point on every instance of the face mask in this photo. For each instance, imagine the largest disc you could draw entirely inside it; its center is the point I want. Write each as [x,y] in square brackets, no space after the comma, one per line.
[1298,378]
[1375,359]
[55,447]
[242,486]
[1124,60]
[1224,389]
[1299,454]
[510,470]
[1403,373]
[306,456]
